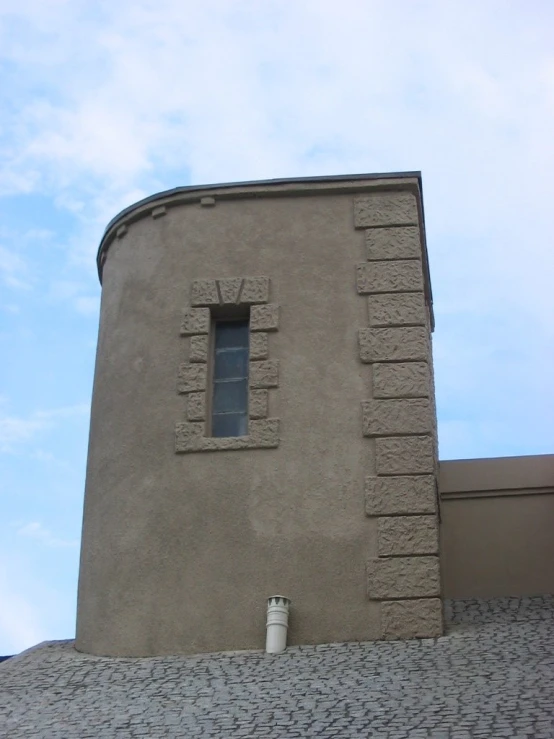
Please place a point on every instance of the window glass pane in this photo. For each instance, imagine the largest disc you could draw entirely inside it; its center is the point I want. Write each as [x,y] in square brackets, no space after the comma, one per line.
[230,397]
[230,424]
[231,364]
[231,333]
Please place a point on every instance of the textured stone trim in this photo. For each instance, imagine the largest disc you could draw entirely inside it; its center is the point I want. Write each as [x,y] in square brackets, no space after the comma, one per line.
[264,374]
[159,211]
[196,407]
[385,209]
[397,309]
[400,495]
[207,294]
[258,404]
[196,321]
[397,416]
[207,202]
[264,317]
[259,345]
[402,276]
[121,231]
[411,619]
[404,535]
[255,290]
[393,243]
[401,578]
[199,348]
[189,437]
[394,344]
[404,455]
[191,378]
[401,380]
[230,291]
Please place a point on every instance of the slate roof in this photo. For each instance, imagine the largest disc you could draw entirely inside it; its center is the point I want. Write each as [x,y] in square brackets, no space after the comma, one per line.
[492,675]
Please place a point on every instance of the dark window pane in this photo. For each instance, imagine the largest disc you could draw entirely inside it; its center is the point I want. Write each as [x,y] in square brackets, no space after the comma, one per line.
[231,334]
[231,364]
[229,424]
[230,397]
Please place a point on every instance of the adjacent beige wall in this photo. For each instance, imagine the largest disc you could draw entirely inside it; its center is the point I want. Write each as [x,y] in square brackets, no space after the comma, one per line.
[497,523]
[180,551]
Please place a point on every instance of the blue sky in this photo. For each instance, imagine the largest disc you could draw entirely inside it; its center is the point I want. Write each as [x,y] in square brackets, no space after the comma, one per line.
[103,103]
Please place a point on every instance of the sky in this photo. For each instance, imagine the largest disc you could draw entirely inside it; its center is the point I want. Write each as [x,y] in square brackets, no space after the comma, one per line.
[103,103]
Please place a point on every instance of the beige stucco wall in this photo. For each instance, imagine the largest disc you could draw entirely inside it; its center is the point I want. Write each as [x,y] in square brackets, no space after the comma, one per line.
[180,551]
[497,521]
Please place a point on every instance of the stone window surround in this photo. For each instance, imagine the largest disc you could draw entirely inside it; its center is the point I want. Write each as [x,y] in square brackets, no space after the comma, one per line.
[220,298]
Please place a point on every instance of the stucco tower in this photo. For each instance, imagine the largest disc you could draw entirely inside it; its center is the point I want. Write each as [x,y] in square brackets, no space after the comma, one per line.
[263,419]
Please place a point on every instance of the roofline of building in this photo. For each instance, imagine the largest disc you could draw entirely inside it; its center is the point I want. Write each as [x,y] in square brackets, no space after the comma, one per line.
[283,187]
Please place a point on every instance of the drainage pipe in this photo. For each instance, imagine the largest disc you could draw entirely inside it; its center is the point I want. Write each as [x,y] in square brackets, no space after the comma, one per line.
[277,624]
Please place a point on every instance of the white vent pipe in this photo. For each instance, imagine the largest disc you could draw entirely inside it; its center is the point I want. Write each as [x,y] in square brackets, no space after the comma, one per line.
[277,624]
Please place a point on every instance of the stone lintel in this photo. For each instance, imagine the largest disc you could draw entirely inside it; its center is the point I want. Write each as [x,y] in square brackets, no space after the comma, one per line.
[263,434]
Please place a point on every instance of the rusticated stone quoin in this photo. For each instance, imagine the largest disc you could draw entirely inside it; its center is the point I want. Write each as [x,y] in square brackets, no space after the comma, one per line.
[404,455]
[258,404]
[259,345]
[396,416]
[264,317]
[196,407]
[401,380]
[411,619]
[397,309]
[405,535]
[263,434]
[402,276]
[191,378]
[400,495]
[393,243]
[403,577]
[394,344]
[385,209]
[204,293]
[199,348]
[254,290]
[264,374]
[195,321]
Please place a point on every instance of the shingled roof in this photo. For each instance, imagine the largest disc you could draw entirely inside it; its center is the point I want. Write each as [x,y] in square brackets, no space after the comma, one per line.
[492,675]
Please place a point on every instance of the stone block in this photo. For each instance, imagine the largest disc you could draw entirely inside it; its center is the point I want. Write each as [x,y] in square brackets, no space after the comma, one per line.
[229,290]
[401,380]
[159,211]
[397,309]
[259,345]
[199,347]
[258,404]
[403,577]
[264,374]
[191,378]
[385,209]
[396,416]
[401,344]
[196,406]
[264,317]
[195,321]
[400,495]
[121,231]
[405,535]
[404,455]
[412,619]
[254,290]
[393,243]
[263,434]
[401,276]
[207,201]
[204,292]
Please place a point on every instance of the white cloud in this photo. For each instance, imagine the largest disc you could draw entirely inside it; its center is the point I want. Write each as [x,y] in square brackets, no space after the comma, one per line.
[36,530]
[18,430]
